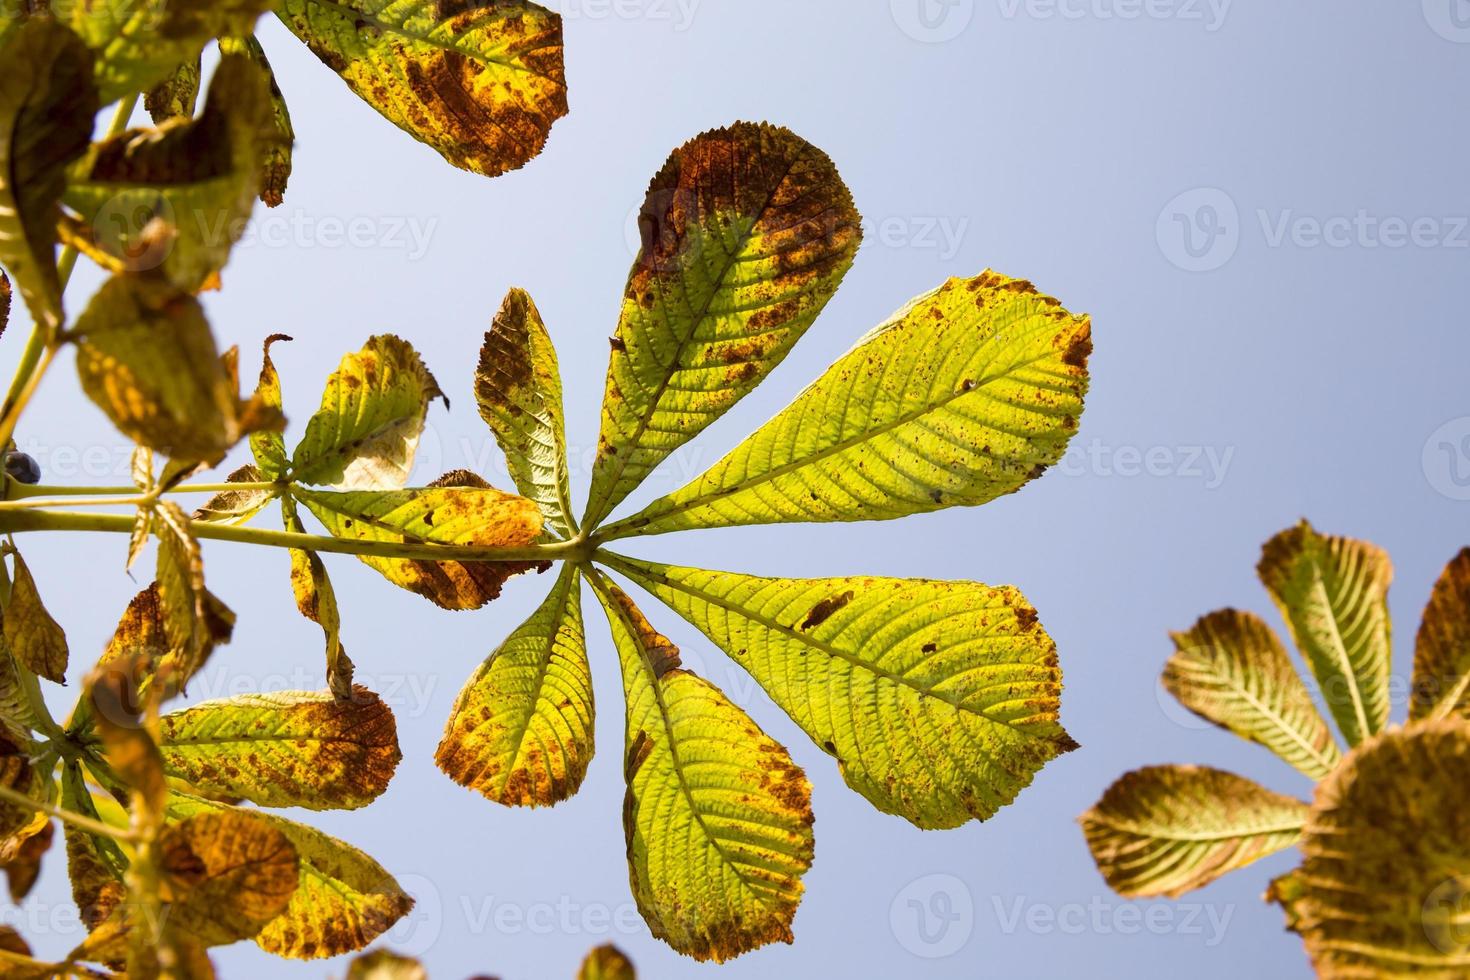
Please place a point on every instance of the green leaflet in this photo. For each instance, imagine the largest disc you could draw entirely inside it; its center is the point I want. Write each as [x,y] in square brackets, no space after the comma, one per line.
[47,101]
[198,176]
[938,699]
[1333,593]
[717,816]
[280,136]
[1442,648]
[1166,830]
[521,729]
[965,395]
[316,599]
[367,430]
[1380,890]
[94,864]
[1232,670]
[36,640]
[343,900]
[139,44]
[295,748]
[146,357]
[747,233]
[459,508]
[482,83]
[518,389]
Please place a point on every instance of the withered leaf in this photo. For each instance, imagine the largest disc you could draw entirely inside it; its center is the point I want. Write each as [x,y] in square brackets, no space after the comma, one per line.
[227,874]
[35,639]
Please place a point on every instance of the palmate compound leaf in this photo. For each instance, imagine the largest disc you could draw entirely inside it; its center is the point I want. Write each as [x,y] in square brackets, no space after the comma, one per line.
[718,818]
[480,82]
[521,729]
[1382,886]
[606,962]
[518,390]
[966,394]
[293,748]
[939,700]
[146,357]
[1166,830]
[35,639]
[747,233]
[343,899]
[198,176]
[1232,670]
[47,104]
[139,44]
[459,509]
[367,430]
[1333,593]
[1442,649]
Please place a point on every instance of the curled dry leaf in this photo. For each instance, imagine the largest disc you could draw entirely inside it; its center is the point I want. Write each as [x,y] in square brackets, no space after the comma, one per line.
[1442,650]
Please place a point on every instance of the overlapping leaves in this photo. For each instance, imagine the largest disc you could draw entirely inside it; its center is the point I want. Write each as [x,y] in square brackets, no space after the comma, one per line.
[1385,862]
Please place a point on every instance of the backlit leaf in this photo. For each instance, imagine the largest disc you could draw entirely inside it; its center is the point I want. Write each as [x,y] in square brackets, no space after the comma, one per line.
[366,432]
[281,135]
[35,639]
[227,874]
[718,818]
[967,394]
[1333,593]
[293,748]
[1386,860]
[176,95]
[343,900]
[147,358]
[747,232]
[194,620]
[518,389]
[236,507]
[24,868]
[47,101]
[16,717]
[139,44]
[482,83]
[17,773]
[94,864]
[606,962]
[1232,670]
[198,176]
[383,964]
[268,447]
[939,700]
[316,599]
[459,509]
[1166,830]
[521,729]
[1442,649]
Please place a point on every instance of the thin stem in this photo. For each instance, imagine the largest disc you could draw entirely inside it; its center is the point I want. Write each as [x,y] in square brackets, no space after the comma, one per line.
[42,520]
[22,491]
[41,503]
[30,966]
[66,816]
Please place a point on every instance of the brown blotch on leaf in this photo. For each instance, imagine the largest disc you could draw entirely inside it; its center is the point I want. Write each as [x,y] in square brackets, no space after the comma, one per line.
[825,609]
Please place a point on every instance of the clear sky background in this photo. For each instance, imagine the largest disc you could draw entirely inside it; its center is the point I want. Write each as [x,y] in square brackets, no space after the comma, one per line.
[1246,376]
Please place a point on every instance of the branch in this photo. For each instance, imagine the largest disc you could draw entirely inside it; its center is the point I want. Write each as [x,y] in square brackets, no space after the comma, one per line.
[66,816]
[15,521]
